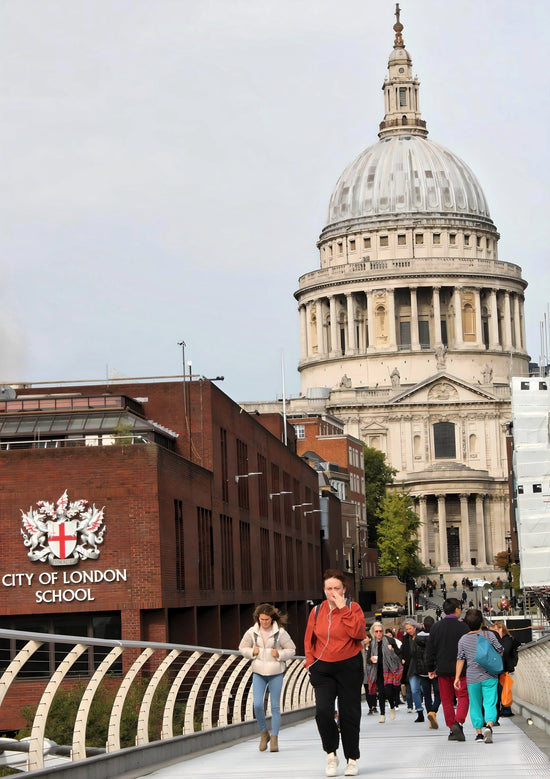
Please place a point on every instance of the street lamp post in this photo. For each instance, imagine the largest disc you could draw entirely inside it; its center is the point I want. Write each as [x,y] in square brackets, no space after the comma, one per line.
[397,557]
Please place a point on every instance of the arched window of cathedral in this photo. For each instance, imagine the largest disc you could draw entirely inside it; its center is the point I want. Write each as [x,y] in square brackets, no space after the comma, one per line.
[468,320]
[444,440]
[380,321]
[374,442]
[473,443]
[417,447]
[366,243]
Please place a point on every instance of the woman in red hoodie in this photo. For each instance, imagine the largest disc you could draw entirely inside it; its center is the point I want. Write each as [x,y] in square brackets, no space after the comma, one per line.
[333,644]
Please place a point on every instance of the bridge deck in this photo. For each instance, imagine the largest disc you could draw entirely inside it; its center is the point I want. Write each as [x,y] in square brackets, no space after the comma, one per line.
[400,749]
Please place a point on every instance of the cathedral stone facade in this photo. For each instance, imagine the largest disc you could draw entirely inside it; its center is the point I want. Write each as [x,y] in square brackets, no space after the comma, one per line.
[411,329]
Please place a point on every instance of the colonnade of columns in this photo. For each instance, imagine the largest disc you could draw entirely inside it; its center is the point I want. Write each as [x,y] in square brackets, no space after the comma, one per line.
[476,514]
[350,323]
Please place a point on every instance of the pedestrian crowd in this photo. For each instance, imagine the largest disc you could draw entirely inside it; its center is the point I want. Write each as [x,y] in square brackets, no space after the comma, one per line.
[453,663]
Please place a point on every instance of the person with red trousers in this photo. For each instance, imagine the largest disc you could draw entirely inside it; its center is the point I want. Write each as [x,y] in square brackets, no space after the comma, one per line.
[441,655]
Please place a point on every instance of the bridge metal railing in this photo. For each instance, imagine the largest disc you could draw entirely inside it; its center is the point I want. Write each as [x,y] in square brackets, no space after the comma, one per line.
[199,688]
[531,688]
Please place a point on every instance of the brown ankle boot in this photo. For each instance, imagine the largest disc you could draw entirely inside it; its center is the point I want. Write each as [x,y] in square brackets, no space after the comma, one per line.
[264,738]
[274,744]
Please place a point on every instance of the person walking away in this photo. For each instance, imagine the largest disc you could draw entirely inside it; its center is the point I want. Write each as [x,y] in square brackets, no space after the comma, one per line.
[509,662]
[384,670]
[333,642]
[482,686]
[441,654]
[268,645]
[410,665]
[429,687]
[370,699]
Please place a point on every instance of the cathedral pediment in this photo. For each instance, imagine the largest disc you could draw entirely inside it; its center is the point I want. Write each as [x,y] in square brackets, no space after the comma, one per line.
[442,388]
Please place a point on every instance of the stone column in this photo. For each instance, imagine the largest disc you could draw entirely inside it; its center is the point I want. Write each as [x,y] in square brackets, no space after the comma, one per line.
[522,324]
[493,321]
[480,524]
[479,329]
[517,324]
[423,515]
[437,316]
[465,548]
[334,334]
[320,329]
[351,344]
[303,333]
[391,315]
[443,552]
[459,336]
[370,319]
[415,340]
[507,323]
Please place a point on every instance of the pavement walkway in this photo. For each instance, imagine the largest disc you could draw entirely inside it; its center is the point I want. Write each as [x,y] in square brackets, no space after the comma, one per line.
[401,749]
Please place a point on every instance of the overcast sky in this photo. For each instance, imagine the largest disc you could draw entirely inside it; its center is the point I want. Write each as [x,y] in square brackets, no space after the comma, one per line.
[166,167]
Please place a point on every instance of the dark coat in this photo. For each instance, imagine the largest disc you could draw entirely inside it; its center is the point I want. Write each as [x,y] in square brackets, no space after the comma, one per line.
[442,646]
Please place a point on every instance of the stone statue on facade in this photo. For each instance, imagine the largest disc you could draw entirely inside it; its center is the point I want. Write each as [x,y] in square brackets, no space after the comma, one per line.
[441,356]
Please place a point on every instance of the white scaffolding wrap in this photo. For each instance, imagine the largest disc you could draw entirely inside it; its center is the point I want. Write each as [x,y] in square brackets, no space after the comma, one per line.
[531,463]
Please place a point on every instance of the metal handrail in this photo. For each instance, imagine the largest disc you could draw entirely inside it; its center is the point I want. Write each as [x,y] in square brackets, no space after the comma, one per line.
[214,685]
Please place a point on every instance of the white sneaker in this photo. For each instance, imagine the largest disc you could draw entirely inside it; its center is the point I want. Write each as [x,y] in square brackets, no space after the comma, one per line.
[332,764]
[351,768]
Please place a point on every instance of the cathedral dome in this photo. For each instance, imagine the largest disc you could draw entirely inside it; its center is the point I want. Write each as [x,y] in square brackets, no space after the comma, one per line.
[406,175]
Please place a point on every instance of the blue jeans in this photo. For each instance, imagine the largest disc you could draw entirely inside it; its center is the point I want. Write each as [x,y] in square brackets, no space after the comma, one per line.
[430,693]
[414,681]
[275,686]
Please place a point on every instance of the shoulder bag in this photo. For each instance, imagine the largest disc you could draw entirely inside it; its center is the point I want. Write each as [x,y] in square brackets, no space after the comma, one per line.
[487,656]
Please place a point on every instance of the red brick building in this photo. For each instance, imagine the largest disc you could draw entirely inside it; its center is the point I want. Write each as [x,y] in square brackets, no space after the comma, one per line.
[188,522]
[320,438]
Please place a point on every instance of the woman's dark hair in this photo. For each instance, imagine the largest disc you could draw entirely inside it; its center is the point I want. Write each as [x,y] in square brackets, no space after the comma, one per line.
[428,623]
[474,619]
[271,611]
[334,573]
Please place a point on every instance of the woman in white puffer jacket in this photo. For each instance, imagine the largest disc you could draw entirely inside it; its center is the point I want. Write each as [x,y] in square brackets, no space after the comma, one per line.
[269,646]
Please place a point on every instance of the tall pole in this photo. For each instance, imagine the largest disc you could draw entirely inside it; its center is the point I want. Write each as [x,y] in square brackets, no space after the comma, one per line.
[284,398]
[182,344]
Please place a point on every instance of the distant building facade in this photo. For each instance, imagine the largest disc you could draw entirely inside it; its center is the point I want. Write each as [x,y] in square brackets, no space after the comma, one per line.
[412,327]
[152,511]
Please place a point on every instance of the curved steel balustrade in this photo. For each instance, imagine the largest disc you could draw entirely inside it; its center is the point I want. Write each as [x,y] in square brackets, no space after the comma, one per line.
[213,685]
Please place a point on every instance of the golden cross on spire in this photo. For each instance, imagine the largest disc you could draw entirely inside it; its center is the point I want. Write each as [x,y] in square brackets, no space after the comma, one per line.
[398,27]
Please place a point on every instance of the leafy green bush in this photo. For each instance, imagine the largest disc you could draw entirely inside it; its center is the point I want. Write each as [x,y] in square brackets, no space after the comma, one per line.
[62,714]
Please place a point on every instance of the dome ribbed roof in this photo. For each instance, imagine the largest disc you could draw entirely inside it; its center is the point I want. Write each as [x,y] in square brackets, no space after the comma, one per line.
[406,175]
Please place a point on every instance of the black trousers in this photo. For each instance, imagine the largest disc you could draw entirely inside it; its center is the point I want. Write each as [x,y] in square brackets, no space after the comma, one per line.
[343,680]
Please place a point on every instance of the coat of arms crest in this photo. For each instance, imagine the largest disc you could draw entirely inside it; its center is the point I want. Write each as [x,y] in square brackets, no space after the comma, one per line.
[64,533]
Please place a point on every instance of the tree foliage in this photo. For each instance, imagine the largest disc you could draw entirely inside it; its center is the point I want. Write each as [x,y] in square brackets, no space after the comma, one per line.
[378,475]
[398,535]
